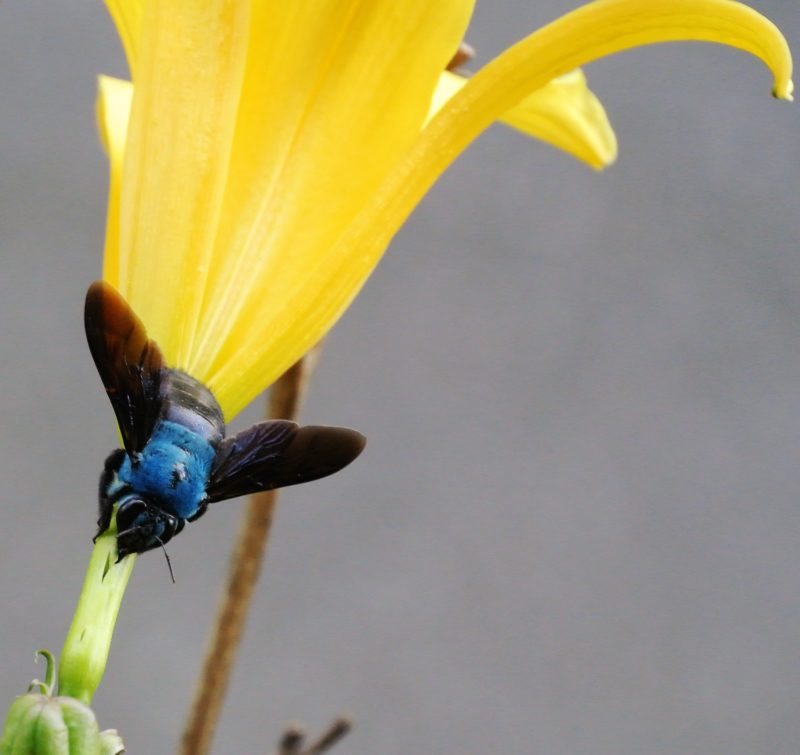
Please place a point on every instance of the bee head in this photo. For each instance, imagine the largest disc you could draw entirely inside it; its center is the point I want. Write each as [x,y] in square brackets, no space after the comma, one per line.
[142,526]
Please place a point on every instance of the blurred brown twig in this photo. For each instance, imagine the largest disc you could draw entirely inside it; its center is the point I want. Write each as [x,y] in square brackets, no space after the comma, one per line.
[245,566]
[293,739]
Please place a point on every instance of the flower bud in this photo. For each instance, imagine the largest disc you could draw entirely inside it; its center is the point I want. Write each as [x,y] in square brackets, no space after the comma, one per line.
[39,723]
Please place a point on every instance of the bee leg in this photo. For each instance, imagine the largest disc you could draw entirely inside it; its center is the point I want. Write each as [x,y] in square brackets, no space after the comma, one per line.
[107,499]
[104,520]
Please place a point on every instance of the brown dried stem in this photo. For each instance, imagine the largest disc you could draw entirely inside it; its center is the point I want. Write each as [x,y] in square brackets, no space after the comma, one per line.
[293,739]
[463,55]
[245,566]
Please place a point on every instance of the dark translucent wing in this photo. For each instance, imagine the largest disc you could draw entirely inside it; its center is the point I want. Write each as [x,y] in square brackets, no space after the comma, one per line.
[278,453]
[129,363]
[257,445]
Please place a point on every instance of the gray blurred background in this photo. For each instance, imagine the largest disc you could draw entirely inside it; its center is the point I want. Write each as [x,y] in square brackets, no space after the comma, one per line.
[575,528]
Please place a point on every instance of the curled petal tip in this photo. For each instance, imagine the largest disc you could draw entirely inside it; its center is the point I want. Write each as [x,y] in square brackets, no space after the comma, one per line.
[783,90]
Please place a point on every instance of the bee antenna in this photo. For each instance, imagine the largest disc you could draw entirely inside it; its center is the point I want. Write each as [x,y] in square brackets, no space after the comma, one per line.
[166,555]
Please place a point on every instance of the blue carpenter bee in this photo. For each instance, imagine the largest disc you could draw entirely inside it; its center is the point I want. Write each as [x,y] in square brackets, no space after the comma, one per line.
[176,458]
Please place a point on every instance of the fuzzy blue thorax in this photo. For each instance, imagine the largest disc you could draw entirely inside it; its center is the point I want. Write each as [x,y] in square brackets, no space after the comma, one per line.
[173,469]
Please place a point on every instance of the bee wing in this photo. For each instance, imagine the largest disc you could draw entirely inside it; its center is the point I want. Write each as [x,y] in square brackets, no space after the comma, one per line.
[129,363]
[278,453]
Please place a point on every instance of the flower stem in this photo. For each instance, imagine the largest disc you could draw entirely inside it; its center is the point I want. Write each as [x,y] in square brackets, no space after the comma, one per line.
[85,651]
[245,567]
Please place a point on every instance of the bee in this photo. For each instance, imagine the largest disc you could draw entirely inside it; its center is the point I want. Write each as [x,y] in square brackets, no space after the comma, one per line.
[176,459]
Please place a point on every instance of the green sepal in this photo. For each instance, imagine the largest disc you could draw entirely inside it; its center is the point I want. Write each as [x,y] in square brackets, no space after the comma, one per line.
[84,733]
[16,721]
[25,741]
[111,742]
[51,734]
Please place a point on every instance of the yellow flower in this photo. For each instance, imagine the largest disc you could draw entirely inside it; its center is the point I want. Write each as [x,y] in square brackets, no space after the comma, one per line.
[268,151]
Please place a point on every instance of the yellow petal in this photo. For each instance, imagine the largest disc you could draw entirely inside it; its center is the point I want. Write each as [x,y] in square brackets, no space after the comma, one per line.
[127,17]
[333,94]
[113,110]
[564,113]
[312,305]
[189,67]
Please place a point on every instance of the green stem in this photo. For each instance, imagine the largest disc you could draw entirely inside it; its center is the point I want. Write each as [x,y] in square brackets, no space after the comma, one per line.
[85,651]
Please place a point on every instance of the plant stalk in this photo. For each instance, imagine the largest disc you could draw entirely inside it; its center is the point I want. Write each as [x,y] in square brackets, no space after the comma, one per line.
[85,652]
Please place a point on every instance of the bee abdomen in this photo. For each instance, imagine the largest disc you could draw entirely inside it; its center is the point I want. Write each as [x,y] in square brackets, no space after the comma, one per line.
[187,402]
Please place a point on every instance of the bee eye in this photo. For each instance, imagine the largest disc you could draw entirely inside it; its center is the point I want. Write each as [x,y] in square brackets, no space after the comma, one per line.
[129,512]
